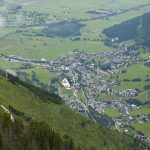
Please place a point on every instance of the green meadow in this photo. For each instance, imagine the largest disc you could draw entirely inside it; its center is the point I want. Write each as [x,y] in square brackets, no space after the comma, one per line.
[133,71]
[44,47]
[104,96]
[5,64]
[36,47]
[42,74]
[143,110]
[112,112]
[81,96]
[143,127]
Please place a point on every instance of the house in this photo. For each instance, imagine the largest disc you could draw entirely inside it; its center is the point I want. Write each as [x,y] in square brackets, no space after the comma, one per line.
[65,83]
[65,68]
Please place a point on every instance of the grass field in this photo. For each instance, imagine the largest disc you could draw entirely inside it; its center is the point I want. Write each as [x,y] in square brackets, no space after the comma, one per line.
[106,97]
[76,11]
[143,96]
[143,110]
[144,55]
[133,71]
[143,127]
[33,47]
[81,96]
[5,64]
[65,91]
[43,75]
[112,112]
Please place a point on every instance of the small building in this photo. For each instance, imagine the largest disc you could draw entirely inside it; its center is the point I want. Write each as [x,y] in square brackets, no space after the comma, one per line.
[43,59]
[65,83]
[65,68]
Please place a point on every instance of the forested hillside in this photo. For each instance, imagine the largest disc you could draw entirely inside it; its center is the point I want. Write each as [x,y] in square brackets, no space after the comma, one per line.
[134,29]
[32,136]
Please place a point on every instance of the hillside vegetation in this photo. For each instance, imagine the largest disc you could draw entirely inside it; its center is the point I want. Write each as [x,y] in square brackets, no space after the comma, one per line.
[31,103]
[33,136]
[134,29]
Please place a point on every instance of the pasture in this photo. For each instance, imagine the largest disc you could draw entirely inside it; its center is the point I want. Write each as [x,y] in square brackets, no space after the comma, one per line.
[143,110]
[35,47]
[133,72]
[112,112]
[143,127]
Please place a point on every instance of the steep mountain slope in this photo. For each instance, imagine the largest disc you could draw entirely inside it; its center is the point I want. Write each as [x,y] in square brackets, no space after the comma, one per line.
[31,103]
[32,136]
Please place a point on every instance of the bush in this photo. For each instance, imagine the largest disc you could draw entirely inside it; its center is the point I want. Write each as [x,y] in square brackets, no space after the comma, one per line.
[134,101]
[136,79]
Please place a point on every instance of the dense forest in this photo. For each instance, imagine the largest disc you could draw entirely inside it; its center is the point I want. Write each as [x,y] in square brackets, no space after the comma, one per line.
[32,136]
[137,29]
[63,29]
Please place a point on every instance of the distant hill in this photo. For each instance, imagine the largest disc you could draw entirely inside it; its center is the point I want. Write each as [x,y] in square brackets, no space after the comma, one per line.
[62,129]
[137,29]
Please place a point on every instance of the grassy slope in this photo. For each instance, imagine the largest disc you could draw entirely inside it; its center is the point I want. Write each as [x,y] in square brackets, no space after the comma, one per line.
[62,119]
[33,135]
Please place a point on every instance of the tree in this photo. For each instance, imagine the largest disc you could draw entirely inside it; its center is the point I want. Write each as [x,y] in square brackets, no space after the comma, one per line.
[1,141]
[18,125]
[7,120]
[34,77]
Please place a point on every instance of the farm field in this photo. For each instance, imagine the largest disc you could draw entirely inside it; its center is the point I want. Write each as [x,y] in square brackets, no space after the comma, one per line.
[134,71]
[144,55]
[143,96]
[105,97]
[81,96]
[143,110]
[77,12]
[143,127]
[43,75]
[66,91]
[5,64]
[112,112]
[60,11]
[43,47]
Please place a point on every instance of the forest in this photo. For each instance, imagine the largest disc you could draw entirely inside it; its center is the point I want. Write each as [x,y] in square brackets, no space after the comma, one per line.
[135,29]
